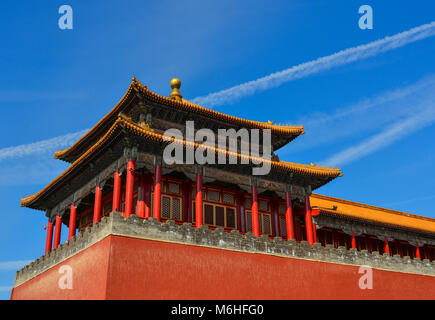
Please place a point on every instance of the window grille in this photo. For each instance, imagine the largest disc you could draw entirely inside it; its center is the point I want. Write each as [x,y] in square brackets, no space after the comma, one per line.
[171,208]
[267,224]
[176,208]
[166,207]
[228,198]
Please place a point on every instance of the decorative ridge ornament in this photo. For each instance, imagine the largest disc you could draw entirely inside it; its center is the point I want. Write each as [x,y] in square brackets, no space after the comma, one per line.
[175,85]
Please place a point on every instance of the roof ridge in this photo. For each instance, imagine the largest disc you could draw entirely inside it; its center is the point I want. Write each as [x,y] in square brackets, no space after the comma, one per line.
[296,128]
[137,85]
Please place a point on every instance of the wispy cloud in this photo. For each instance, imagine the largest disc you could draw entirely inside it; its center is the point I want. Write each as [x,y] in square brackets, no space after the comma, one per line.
[363,117]
[273,80]
[44,146]
[321,64]
[2,289]
[13,265]
[249,88]
[396,131]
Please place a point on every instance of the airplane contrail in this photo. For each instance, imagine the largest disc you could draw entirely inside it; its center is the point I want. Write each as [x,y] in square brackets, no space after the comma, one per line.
[321,64]
[365,115]
[249,88]
[41,146]
[386,137]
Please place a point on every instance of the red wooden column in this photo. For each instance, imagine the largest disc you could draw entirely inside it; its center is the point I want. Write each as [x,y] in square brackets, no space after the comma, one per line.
[57,231]
[289,222]
[386,246]
[72,222]
[116,191]
[198,200]
[49,240]
[353,241]
[308,219]
[254,211]
[157,191]
[417,251]
[129,188]
[97,204]
[140,206]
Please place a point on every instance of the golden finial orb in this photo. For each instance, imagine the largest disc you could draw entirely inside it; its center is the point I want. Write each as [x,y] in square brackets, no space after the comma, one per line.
[175,85]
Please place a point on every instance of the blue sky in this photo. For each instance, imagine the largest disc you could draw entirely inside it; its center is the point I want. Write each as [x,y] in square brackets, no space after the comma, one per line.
[372,117]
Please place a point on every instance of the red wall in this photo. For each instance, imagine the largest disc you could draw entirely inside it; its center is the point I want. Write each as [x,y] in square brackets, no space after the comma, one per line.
[144,269]
[89,268]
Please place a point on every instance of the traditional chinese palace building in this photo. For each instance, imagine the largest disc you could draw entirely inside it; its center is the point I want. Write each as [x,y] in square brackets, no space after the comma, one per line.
[139,228]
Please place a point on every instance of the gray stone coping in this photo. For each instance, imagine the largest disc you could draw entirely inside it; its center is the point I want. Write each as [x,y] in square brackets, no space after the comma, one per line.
[185,233]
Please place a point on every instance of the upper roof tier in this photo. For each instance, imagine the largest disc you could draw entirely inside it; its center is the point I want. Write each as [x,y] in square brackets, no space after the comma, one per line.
[138,93]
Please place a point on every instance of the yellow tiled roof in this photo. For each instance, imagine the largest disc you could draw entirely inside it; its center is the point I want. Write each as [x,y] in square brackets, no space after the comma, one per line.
[183,104]
[371,213]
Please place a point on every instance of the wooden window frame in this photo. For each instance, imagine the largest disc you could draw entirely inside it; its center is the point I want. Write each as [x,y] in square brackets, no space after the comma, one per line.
[214,205]
[260,215]
[171,197]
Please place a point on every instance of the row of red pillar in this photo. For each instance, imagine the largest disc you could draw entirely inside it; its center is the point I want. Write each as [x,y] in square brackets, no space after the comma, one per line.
[386,245]
[143,206]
